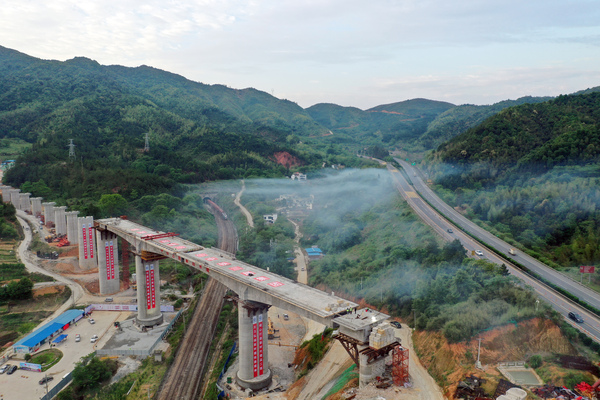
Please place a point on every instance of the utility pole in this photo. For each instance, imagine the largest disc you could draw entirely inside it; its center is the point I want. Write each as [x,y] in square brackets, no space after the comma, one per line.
[71,149]
[478,363]
[146,142]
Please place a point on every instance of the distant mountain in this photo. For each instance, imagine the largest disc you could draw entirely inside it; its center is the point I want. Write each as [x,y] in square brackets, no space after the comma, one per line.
[414,125]
[389,124]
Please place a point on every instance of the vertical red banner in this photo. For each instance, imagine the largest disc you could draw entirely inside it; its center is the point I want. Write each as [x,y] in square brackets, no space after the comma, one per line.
[260,345]
[85,250]
[148,299]
[152,288]
[107,252]
[90,241]
[254,347]
[112,261]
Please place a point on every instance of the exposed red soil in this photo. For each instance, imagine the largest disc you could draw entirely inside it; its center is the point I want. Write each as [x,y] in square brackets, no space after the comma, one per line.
[48,290]
[505,343]
[286,159]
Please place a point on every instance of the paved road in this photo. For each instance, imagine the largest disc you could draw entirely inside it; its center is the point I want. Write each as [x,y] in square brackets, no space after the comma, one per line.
[29,260]
[412,193]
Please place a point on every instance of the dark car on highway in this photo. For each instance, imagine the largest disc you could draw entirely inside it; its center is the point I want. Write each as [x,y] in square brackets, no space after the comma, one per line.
[396,324]
[11,370]
[575,317]
[46,379]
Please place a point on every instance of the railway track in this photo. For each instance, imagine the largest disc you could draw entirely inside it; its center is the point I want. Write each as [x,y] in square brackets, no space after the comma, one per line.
[184,379]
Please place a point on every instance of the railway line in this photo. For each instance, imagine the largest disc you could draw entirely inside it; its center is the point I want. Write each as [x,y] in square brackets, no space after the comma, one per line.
[184,379]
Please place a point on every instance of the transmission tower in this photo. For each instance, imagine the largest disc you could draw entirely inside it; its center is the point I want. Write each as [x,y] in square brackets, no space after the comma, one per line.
[146,143]
[71,149]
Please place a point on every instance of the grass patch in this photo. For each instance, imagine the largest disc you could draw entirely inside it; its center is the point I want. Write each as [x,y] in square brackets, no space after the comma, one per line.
[16,271]
[47,358]
[12,147]
[347,376]
[227,325]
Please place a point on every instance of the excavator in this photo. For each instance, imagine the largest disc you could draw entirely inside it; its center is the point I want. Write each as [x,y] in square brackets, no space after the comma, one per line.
[271,330]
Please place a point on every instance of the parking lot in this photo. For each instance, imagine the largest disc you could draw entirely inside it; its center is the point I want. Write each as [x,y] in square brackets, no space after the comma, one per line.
[24,384]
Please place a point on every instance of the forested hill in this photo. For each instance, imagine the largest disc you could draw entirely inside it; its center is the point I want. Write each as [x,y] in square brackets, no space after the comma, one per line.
[530,175]
[458,119]
[563,131]
[197,132]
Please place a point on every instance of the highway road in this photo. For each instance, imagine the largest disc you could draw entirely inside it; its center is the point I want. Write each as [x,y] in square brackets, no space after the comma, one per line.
[454,230]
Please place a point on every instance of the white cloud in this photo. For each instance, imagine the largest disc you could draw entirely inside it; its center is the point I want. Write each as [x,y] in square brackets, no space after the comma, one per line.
[441,49]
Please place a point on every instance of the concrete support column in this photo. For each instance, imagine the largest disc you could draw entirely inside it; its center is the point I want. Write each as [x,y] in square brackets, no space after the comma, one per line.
[36,206]
[72,231]
[88,254]
[25,203]
[60,220]
[381,336]
[49,213]
[148,292]
[253,326]
[15,198]
[5,193]
[108,262]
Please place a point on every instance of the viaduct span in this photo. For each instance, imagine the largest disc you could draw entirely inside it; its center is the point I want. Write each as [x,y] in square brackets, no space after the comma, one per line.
[256,290]
[364,333]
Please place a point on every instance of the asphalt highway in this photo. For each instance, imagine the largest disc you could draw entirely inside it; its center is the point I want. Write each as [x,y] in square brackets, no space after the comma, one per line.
[412,192]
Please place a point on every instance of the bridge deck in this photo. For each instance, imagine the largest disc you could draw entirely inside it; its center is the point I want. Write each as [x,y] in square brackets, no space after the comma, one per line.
[215,262]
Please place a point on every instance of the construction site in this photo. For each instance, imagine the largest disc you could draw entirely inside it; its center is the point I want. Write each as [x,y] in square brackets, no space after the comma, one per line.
[276,316]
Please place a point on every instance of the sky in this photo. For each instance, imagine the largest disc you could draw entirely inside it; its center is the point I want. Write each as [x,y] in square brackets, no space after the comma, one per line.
[359,53]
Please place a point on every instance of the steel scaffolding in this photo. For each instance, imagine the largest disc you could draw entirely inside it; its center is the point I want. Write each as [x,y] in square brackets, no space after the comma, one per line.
[400,365]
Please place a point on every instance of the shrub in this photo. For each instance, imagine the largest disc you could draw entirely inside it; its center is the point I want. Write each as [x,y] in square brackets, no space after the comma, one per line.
[535,361]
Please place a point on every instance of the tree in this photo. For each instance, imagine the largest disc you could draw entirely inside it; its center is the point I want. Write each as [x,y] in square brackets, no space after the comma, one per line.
[90,375]
[112,204]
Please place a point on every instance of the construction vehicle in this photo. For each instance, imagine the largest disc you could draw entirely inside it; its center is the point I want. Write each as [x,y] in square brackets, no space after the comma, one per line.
[271,330]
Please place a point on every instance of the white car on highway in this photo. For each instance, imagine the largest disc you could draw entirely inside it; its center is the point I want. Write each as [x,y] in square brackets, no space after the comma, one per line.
[479,253]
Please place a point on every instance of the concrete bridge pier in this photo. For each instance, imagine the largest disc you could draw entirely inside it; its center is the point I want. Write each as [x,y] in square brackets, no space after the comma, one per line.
[108,261]
[148,292]
[15,198]
[85,240]
[49,213]
[253,326]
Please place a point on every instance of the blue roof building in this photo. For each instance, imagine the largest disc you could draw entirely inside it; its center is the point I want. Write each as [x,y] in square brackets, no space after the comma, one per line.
[32,342]
[314,253]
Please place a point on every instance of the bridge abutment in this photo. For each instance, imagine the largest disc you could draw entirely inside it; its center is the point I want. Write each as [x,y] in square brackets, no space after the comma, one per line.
[148,292]
[254,372]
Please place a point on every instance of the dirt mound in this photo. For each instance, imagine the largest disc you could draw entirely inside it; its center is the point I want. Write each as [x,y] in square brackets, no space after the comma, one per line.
[507,343]
[48,290]
[69,251]
[92,287]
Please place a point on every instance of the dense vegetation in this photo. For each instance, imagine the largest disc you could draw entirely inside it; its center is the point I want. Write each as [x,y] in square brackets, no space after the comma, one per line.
[531,173]
[88,375]
[196,132]
[457,120]
[534,161]
[377,249]
[7,222]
